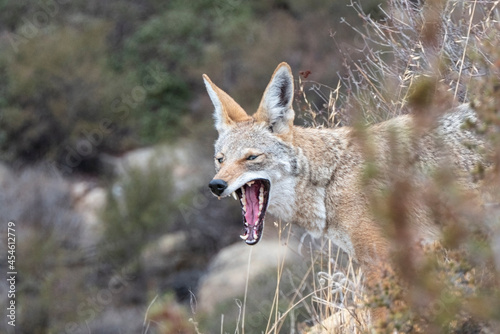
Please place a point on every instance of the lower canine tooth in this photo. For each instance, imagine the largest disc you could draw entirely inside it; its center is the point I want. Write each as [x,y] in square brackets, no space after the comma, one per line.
[244,237]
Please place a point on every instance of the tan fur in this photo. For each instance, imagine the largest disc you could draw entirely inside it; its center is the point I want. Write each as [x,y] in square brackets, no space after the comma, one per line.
[318,176]
[233,112]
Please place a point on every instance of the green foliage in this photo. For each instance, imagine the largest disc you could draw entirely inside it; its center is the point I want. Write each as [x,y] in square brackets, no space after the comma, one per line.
[173,36]
[163,110]
[48,245]
[168,44]
[67,67]
[57,98]
[138,209]
[173,43]
[10,11]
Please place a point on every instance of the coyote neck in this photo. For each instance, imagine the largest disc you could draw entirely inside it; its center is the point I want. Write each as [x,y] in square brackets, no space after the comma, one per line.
[322,151]
[326,161]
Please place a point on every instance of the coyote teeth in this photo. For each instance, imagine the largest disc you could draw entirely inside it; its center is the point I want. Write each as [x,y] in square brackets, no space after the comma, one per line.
[243,199]
[261,199]
[234,195]
[250,183]
[244,237]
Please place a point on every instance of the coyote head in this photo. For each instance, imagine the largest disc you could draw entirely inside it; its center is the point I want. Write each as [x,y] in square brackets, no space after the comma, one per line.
[254,158]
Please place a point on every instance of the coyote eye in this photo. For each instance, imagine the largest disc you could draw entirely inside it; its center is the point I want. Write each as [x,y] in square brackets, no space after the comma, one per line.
[252,157]
[220,159]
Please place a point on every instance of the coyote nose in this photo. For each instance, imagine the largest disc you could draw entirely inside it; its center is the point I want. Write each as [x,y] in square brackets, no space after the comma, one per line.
[217,186]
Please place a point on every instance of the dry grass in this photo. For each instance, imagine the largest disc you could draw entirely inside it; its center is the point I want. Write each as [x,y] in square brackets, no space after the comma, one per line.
[331,292]
[441,43]
[338,298]
[422,58]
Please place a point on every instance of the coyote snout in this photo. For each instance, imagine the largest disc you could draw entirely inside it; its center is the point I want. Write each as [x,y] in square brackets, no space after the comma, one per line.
[217,186]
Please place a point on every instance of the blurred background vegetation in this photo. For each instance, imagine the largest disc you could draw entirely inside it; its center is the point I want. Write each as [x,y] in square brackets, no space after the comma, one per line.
[106,138]
[67,66]
[105,144]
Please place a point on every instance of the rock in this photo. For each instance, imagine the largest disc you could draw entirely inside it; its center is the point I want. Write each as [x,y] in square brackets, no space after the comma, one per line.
[227,274]
[189,166]
[171,263]
[5,173]
[167,253]
[124,320]
[88,202]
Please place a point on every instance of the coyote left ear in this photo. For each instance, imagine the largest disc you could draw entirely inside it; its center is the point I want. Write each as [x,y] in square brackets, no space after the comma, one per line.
[276,105]
[227,111]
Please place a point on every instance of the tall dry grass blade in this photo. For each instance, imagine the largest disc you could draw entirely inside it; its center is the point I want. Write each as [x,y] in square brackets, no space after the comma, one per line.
[145,323]
[465,49]
[246,292]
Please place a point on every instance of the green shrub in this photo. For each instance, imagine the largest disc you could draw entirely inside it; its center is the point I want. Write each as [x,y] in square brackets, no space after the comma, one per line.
[49,250]
[58,97]
[139,208]
[163,50]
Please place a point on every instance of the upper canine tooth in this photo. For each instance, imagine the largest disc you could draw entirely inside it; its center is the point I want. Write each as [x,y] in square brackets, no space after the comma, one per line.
[261,198]
[250,183]
[234,195]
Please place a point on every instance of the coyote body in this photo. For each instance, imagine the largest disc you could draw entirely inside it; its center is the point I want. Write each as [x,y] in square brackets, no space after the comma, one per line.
[320,178]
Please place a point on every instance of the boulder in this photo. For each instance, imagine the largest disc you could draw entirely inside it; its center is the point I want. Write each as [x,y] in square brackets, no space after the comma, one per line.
[189,165]
[167,253]
[88,202]
[228,271]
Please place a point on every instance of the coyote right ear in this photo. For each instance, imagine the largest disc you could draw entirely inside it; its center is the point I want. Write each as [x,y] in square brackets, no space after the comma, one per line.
[276,105]
[227,111]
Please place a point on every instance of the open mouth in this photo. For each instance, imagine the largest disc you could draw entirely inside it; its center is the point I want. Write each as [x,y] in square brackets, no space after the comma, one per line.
[254,197]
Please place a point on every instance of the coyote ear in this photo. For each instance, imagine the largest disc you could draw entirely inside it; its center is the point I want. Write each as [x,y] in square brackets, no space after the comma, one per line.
[227,111]
[276,105]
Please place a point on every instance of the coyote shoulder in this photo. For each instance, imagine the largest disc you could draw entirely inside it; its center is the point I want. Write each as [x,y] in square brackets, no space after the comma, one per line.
[327,180]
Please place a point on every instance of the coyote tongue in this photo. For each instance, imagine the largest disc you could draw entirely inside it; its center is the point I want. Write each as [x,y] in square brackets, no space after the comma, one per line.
[252,202]
[254,196]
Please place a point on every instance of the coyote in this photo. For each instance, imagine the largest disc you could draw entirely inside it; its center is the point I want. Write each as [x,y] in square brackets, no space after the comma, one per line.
[317,177]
